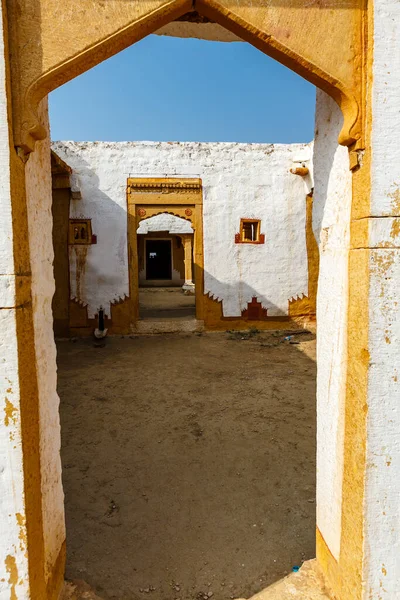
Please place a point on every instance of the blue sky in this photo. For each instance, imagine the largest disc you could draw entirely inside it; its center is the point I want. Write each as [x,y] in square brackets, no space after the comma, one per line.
[172,89]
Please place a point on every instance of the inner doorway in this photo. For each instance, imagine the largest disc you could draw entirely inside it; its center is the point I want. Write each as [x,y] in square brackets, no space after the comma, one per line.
[164,290]
[158,260]
[165,232]
[165,271]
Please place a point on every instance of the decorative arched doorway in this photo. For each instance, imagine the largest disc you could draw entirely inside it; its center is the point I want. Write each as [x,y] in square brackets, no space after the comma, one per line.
[149,197]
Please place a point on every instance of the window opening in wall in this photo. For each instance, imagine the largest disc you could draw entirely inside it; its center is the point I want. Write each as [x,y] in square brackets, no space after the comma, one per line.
[80,231]
[250,231]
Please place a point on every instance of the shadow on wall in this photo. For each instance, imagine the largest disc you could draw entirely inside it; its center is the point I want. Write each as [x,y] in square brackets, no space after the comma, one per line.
[243,292]
[324,159]
[104,273]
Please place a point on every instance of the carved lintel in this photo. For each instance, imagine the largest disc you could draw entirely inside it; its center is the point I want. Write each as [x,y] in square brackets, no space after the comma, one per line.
[194,17]
[164,185]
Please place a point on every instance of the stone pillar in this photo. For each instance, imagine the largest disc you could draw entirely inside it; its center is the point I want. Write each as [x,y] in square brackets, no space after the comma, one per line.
[14,565]
[32,540]
[188,286]
[358,465]
[376,242]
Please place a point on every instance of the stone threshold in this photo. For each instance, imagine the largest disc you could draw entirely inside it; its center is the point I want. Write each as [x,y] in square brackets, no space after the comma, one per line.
[157,326]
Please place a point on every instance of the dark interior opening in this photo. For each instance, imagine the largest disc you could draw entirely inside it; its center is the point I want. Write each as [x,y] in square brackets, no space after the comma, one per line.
[158,259]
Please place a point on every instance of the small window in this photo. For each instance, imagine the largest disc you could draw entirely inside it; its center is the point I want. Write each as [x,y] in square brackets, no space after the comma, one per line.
[80,231]
[250,230]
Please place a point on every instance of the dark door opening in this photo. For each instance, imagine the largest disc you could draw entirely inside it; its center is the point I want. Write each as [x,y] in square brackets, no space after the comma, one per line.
[158,259]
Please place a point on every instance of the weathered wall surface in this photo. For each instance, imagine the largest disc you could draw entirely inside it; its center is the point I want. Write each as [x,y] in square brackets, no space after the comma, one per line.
[331,224]
[382,485]
[239,181]
[39,201]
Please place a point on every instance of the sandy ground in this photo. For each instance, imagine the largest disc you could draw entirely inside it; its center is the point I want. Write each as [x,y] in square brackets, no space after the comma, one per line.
[188,463]
[166,303]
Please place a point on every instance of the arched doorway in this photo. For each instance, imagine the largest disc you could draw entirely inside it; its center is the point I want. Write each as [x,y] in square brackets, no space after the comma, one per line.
[175,203]
[42,75]
[165,268]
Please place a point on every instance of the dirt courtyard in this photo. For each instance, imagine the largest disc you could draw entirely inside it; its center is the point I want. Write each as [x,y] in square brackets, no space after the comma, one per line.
[188,462]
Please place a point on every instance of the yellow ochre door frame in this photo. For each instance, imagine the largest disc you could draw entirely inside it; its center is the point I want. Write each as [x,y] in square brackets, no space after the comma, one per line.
[150,196]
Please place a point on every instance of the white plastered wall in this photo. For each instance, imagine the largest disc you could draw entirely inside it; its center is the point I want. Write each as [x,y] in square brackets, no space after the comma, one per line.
[13,555]
[331,224]
[40,222]
[239,181]
[382,487]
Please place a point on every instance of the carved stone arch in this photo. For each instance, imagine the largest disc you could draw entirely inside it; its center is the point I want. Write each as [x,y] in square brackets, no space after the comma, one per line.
[321,40]
[180,214]
[337,71]
[46,53]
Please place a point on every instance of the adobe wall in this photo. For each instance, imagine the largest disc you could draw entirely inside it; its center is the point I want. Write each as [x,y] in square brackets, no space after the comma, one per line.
[239,181]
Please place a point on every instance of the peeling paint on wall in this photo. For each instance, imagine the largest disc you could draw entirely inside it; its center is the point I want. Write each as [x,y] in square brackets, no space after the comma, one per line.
[10,413]
[12,570]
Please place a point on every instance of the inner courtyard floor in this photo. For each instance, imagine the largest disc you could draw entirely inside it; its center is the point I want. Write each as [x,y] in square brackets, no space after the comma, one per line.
[166,303]
[188,462]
